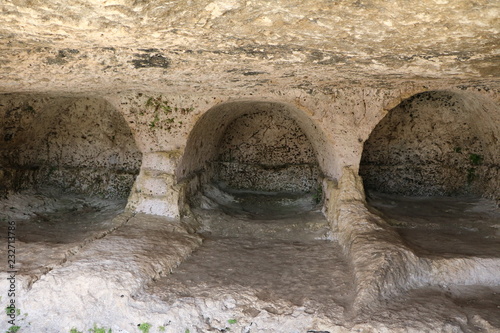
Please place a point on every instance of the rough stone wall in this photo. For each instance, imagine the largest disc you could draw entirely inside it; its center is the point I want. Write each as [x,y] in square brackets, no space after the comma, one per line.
[156,190]
[207,132]
[293,43]
[336,124]
[434,143]
[382,263]
[266,151]
[334,67]
[78,144]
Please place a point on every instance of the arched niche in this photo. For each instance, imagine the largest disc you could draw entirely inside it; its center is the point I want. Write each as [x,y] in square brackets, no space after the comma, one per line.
[436,143]
[75,144]
[260,147]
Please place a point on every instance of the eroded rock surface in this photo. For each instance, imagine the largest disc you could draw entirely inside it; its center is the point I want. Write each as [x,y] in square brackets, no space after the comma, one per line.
[77,144]
[435,143]
[106,98]
[266,152]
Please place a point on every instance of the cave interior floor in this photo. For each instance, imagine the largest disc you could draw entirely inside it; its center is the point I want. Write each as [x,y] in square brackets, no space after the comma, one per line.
[443,226]
[263,267]
[264,270]
[51,225]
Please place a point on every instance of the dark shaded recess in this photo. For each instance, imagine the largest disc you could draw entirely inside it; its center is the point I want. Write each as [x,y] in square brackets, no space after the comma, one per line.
[62,57]
[253,73]
[429,145]
[150,50]
[56,142]
[150,60]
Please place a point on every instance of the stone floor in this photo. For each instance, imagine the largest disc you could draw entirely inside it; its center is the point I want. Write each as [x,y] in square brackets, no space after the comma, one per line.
[84,264]
[450,227]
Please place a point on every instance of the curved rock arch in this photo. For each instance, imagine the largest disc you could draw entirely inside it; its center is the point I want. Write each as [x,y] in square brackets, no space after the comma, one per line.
[457,130]
[81,144]
[205,136]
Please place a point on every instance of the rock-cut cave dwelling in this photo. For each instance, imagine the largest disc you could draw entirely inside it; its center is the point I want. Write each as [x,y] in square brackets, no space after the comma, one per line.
[249,166]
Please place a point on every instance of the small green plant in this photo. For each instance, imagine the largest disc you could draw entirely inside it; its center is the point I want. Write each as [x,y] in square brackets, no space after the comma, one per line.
[74,330]
[162,109]
[471,174]
[187,330]
[162,328]
[155,121]
[13,329]
[318,195]
[232,321]
[476,159]
[8,310]
[99,330]
[159,104]
[144,327]
[29,108]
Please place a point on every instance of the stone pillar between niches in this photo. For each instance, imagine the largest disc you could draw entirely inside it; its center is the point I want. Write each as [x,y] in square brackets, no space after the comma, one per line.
[382,264]
[156,190]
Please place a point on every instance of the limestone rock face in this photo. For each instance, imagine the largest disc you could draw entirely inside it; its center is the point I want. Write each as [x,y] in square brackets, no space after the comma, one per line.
[156,100]
[79,144]
[435,144]
[266,152]
[302,44]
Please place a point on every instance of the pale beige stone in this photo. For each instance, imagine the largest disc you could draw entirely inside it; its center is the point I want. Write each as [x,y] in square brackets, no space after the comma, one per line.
[98,95]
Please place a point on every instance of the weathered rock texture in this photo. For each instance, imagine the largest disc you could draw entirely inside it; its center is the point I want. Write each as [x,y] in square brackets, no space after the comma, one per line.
[109,272]
[266,151]
[383,265]
[89,86]
[78,144]
[208,144]
[297,44]
[435,143]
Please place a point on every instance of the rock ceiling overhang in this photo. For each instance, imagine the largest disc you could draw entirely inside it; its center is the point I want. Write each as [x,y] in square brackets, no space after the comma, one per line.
[292,43]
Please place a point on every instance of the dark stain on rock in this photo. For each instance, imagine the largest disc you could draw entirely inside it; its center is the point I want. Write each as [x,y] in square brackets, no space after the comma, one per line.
[427,146]
[69,51]
[146,60]
[8,137]
[151,50]
[62,57]
[253,73]
[245,72]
